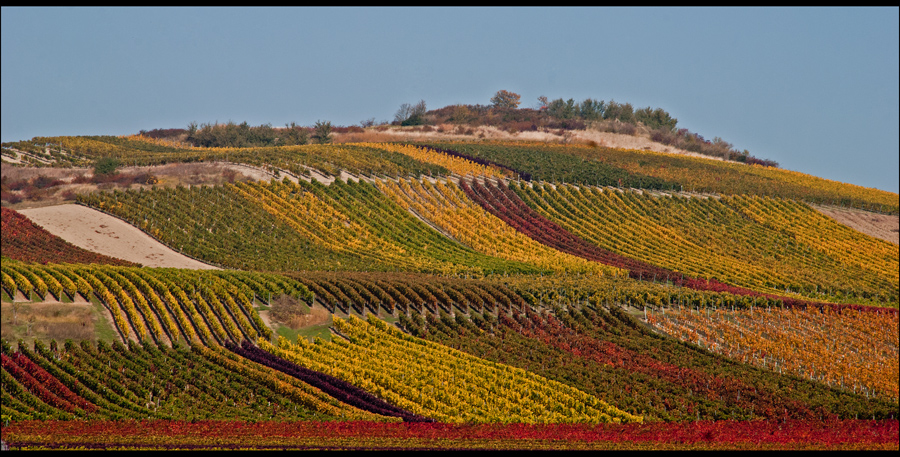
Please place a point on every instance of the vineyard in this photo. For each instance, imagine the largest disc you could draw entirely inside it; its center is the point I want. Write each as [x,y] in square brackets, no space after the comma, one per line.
[481,295]
[24,240]
[599,166]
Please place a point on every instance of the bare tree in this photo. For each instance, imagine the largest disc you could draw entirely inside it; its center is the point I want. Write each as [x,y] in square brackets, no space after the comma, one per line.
[411,114]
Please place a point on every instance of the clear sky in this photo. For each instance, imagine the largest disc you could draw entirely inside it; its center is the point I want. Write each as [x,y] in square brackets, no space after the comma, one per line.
[815,89]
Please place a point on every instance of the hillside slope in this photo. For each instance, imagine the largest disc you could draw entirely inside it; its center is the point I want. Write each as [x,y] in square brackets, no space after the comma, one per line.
[883,226]
[95,231]
[475,283]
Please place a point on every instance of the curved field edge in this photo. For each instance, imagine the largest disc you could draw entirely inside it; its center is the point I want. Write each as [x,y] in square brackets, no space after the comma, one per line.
[27,241]
[535,160]
[667,171]
[369,222]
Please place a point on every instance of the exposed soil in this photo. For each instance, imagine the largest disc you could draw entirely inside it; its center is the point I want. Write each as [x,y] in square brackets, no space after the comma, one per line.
[99,232]
[605,139]
[266,318]
[883,226]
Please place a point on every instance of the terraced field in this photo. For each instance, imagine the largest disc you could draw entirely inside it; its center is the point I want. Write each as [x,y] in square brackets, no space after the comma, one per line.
[489,295]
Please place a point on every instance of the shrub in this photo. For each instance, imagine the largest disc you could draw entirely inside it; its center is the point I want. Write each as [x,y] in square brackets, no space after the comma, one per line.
[662,136]
[35,194]
[520,126]
[164,133]
[288,310]
[106,166]
[11,197]
[43,182]
[145,178]
[229,175]
[627,128]
[17,185]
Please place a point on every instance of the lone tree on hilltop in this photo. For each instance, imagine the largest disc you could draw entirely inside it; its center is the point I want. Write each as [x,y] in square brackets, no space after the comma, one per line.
[505,99]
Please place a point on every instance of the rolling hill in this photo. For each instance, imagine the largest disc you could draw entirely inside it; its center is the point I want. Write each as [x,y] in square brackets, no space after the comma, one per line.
[447,283]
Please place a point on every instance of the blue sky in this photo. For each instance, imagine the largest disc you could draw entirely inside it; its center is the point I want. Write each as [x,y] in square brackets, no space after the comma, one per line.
[815,89]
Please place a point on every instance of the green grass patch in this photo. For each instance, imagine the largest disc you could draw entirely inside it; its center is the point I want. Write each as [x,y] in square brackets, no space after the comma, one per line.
[103,328]
[309,333]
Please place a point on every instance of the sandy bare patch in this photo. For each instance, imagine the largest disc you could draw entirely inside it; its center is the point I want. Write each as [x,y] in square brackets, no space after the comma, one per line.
[881,226]
[605,139]
[95,231]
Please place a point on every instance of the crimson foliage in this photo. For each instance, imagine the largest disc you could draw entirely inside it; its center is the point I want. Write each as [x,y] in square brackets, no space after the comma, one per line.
[24,240]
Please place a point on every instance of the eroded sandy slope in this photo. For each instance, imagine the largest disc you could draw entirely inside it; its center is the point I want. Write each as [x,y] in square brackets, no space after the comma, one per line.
[95,231]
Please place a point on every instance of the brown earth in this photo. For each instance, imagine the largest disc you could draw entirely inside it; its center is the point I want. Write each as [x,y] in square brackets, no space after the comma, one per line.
[99,232]
[883,226]
[42,320]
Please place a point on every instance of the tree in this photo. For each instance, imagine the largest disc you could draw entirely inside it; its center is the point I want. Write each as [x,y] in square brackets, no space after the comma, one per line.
[505,100]
[656,119]
[322,132]
[264,135]
[411,114]
[622,112]
[402,113]
[592,109]
[293,135]
[460,114]
[563,109]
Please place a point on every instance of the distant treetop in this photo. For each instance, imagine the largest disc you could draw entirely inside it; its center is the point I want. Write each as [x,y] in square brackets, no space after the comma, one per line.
[506,100]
